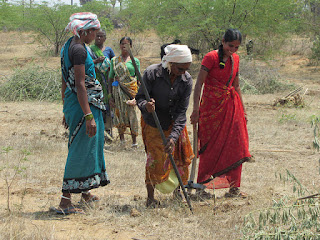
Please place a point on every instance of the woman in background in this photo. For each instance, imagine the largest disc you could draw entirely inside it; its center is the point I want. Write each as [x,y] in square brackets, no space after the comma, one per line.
[124,89]
[223,135]
[101,56]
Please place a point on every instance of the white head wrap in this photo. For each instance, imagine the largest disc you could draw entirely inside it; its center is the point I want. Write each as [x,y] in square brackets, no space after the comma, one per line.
[177,54]
[82,21]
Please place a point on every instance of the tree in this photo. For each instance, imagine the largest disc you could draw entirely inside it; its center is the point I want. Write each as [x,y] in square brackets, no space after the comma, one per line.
[83,2]
[50,23]
[202,22]
[103,11]
[11,16]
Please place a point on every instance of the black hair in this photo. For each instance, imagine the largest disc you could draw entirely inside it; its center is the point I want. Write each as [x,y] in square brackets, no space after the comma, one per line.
[162,52]
[126,38]
[103,31]
[229,36]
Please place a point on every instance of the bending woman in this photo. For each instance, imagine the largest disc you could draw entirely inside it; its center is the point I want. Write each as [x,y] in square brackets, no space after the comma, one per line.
[124,89]
[222,132]
[82,107]
[169,86]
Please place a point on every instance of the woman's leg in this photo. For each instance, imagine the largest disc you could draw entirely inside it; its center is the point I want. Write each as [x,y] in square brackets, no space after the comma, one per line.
[65,201]
[121,134]
[134,139]
[150,190]
[89,197]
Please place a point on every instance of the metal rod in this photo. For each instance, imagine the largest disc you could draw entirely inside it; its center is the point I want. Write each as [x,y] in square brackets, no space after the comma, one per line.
[156,119]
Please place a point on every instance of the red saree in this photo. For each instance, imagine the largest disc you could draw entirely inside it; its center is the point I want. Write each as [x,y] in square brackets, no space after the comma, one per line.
[223,136]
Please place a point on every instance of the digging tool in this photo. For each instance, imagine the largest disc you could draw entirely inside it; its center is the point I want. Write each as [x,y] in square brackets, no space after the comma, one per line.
[191,185]
[156,119]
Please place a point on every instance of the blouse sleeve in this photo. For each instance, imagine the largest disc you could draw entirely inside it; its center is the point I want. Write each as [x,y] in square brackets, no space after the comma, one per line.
[208,60]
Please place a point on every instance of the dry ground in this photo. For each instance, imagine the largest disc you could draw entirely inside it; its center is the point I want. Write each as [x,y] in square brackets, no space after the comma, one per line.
[280,139]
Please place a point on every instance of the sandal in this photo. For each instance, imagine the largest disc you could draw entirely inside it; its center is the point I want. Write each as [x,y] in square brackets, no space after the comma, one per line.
[68,210]
[235,192]
[202,195]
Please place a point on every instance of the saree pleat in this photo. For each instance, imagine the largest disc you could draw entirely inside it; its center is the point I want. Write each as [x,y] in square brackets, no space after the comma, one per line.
[158,164]
[85,167]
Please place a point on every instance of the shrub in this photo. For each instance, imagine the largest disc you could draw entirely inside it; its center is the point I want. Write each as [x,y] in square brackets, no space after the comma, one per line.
[287,218]
[32,83]
[315,56]
[260,80]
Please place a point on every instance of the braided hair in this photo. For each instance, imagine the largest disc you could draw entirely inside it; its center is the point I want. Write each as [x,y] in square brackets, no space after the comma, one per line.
[229,36]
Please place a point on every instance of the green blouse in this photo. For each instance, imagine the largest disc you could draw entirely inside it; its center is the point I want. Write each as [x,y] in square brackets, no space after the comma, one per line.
[129,66]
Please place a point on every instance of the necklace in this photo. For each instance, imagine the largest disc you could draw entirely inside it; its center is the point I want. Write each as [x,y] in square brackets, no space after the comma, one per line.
[124,59]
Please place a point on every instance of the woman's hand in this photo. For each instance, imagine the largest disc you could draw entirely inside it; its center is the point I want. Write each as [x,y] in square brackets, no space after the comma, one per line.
[100,59]
[194,118]
[170,146]
[91,127]
[150,106]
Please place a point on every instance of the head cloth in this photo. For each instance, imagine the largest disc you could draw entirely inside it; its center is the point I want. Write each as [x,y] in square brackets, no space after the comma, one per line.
[176,54]
[82,21]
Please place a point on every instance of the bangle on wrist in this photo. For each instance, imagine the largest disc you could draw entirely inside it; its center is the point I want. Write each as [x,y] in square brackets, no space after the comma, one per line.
[88,116]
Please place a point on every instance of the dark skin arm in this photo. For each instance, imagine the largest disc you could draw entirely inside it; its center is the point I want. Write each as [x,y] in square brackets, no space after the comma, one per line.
[79,72]
[63,89]
[236,86]
[197,94]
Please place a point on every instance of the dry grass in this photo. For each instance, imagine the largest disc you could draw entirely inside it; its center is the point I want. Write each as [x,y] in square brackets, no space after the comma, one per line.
[278,143]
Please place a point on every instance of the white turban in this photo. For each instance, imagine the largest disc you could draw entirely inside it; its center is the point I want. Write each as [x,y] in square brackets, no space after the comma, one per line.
[177,54]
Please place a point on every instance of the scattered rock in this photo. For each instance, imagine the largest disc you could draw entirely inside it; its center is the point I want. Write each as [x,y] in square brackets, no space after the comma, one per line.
[134,213]
[137,198]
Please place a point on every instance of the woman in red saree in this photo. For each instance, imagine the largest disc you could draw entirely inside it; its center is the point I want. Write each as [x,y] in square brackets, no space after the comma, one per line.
[223,136]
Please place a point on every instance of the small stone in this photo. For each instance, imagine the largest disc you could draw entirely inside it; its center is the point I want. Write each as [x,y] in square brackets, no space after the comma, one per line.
[134,213]
[137,198]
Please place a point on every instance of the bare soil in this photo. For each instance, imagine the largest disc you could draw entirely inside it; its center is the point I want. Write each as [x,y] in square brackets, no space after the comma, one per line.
[280,139]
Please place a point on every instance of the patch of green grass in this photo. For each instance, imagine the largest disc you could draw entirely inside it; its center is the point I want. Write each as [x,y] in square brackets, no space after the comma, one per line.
[32,83]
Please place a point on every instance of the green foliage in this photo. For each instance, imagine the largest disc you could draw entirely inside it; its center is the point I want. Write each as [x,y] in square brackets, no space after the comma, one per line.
[11,16]
[315,56]
[11,167]
[287,117]
[32,83]
[103,11]
[201,23]
[287,218]
[50,23]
